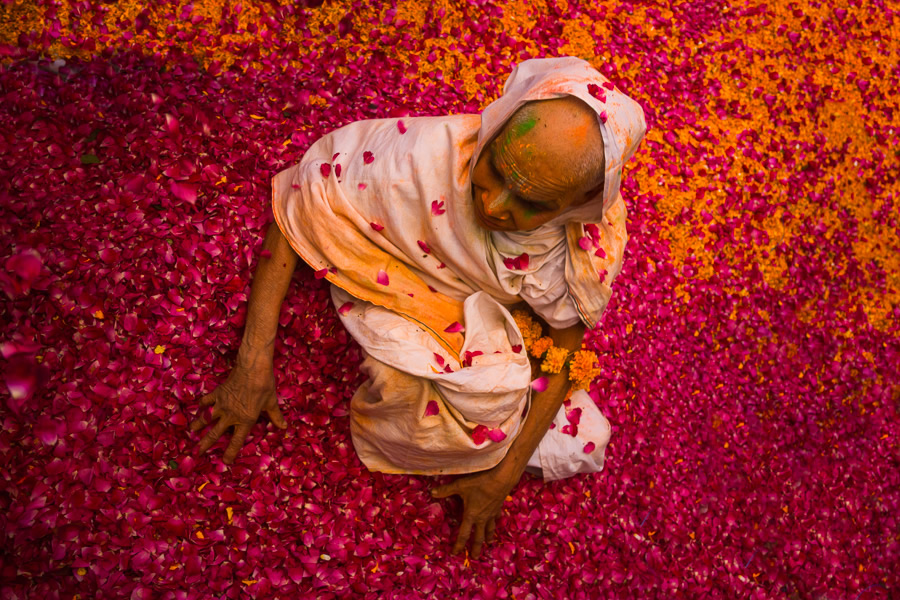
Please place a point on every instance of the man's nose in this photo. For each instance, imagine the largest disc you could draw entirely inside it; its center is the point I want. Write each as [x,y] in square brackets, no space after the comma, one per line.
[499,203]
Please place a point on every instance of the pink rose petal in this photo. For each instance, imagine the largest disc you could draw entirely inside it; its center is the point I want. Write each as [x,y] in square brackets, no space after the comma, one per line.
[345,308]
[589,447]
[496,435]
[382,278]
[368,157]
[184,191]
[437,208]
[376,226]
[539,384]
[26,264]
[401,126]
[454,327]
[325,169]
[431,408]
[479,434]
[595,91]
[439,359]
[519,263]
[321,273]
[523,261]
[423,246]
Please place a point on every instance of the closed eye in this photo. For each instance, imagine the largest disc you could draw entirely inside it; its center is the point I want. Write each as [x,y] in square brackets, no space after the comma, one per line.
[532,205]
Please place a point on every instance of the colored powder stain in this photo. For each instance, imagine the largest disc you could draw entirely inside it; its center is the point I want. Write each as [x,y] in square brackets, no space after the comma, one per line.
[524,127]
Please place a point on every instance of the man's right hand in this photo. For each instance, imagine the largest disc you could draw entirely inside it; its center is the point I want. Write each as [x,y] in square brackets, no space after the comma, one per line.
[249,390]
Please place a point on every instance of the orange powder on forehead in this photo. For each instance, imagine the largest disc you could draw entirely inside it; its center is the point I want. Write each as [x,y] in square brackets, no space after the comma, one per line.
[578,134]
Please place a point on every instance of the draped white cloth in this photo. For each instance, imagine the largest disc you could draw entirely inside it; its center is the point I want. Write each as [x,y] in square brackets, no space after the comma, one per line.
[384,209]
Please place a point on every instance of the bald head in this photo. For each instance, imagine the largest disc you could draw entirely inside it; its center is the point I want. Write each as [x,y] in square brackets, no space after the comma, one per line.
[563,133]
[547,158]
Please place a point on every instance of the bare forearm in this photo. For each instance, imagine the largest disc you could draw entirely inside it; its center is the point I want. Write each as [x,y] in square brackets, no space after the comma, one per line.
[544,405]
[270,285]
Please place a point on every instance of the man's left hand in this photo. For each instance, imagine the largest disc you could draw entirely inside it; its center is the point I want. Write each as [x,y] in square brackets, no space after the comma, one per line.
[483,495]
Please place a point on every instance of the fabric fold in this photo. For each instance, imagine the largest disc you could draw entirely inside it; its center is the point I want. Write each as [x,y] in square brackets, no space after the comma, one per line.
[384,211]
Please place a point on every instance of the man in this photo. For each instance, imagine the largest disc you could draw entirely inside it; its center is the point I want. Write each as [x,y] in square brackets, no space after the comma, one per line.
[431,230]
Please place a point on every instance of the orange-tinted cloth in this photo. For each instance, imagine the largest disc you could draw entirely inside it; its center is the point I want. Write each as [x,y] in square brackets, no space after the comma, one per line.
[384,209]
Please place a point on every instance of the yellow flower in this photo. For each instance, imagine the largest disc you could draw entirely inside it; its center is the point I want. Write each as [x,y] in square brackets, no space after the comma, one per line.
[538,347]
[582,369]
[582,384]
[530,329]
[554,360]
[582,365]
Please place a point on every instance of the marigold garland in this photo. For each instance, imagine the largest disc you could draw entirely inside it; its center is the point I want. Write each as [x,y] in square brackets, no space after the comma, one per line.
[582,364]
[554,359]
[538,347]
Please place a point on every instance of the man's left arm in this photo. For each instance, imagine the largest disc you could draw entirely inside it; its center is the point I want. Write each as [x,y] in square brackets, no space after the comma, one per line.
[544,405]
[483,493]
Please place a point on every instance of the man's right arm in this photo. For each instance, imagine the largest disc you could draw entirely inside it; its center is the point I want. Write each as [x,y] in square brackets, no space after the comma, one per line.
[250,387]
[270,285]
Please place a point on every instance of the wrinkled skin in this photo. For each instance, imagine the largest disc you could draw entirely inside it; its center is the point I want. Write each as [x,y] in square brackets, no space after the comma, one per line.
[522,178]
[238,402]
[483,495]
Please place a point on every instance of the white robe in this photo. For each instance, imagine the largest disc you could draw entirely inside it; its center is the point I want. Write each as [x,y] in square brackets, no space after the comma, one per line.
[383,208]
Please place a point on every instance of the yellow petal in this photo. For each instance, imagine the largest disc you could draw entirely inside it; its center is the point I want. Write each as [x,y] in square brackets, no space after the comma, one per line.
[98,314]
[257,117]
[230,512]
[159,349]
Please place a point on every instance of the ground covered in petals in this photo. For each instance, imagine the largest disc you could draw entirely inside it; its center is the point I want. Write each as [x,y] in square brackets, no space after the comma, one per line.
[749,358]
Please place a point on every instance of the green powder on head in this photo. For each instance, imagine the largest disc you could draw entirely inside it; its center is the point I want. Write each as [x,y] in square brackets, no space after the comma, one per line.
[524,127]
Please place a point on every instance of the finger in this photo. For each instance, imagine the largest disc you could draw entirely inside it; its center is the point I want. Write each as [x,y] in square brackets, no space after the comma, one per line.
[463,536]
[276,417]
[208,399]
[478,540]
[201,421]
[236,443]
[442,491]
[213,435]
[491,527]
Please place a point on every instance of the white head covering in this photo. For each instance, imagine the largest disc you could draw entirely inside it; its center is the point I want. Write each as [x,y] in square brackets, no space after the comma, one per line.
[551,248]
[397,173]
[384,210]
[621,120]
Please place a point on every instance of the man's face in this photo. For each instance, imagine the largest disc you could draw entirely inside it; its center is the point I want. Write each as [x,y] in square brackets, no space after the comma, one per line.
[521,179]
